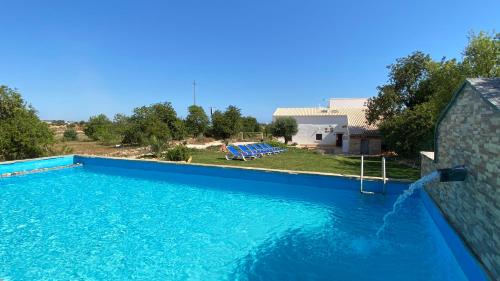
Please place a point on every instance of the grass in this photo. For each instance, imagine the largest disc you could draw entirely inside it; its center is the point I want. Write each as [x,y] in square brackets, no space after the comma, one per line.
[293,159]
[306,160]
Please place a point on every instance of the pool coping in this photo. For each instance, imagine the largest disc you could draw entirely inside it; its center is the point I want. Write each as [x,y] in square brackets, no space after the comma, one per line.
[292,172]
[468,262]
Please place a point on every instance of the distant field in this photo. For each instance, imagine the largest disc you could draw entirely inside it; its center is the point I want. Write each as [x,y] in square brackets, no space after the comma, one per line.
[95,148]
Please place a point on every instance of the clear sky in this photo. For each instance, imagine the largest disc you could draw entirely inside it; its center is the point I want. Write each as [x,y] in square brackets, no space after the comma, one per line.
[73,59]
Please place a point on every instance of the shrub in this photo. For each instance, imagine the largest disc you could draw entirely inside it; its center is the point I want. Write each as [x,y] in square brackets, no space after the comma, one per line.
[276,143]
[157,146]
[178,153]
[70,135]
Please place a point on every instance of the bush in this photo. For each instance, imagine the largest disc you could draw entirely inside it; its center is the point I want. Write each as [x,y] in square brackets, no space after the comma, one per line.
[276,143]
[70,135]
[178,153]
[157,146]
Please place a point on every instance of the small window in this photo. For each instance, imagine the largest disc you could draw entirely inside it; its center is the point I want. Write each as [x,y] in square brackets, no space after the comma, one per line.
[319,136]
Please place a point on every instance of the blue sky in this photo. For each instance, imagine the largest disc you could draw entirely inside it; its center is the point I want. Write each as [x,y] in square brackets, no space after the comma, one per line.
[74,59]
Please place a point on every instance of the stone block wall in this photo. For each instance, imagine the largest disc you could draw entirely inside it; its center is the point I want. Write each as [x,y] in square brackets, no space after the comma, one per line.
[469,135]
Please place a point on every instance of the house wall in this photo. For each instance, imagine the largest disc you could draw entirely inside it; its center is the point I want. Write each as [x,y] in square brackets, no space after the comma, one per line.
[374,145]
[469,135]
[328,126]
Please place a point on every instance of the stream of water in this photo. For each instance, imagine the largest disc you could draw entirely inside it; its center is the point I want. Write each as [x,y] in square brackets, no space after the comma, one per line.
[407,193]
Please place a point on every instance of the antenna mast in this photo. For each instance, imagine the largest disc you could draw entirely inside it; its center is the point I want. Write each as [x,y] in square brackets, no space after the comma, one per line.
[194,92]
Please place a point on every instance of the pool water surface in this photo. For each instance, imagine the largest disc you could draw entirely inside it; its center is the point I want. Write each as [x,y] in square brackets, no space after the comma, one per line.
[107,223]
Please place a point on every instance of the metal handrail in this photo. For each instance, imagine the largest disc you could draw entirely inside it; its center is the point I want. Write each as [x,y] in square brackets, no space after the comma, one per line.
[384,178]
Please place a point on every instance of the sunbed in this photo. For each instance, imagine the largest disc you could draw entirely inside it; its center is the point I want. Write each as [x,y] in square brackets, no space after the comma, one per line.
[235,154]
[272,147]
[249,151]
[258,147]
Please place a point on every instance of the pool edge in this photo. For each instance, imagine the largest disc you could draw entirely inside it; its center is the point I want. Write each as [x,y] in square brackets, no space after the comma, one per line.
[468,262]
[296,172]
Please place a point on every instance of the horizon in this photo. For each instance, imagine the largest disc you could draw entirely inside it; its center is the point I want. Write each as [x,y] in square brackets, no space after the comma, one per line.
[75,60]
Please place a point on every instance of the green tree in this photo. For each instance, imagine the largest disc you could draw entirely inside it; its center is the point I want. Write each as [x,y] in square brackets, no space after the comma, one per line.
[408,86]
[197,121]
[285,127]
[482,55]
[250,124]
[121,123]
[157,120]
[226,124]
[22,134]
[97,127]
[220,126]
[410,131]
[418,89]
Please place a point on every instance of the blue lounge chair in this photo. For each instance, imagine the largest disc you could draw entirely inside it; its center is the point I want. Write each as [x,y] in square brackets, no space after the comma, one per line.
[272,147]
[235,154]
[275,150]
[249,151]
[258,147]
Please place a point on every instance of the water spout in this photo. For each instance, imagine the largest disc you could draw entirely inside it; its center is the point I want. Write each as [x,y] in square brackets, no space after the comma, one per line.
[457,173]
[407,193]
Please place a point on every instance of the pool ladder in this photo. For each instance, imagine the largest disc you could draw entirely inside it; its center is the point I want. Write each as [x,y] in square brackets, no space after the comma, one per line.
[384,178]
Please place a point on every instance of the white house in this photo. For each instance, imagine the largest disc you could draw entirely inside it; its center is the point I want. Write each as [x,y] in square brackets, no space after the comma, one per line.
[341,126]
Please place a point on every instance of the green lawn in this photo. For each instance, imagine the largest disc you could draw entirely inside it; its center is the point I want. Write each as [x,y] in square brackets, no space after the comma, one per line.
[306,160]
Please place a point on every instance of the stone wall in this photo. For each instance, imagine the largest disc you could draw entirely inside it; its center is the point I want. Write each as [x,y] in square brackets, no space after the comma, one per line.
[469,135]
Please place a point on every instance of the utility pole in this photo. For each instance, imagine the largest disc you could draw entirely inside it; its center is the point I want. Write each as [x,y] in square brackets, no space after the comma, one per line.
[194,92]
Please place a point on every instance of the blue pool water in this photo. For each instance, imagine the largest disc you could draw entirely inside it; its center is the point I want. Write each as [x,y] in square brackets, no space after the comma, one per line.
[106,223]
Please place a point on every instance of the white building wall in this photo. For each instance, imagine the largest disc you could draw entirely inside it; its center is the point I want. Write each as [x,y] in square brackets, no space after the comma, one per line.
[328,126]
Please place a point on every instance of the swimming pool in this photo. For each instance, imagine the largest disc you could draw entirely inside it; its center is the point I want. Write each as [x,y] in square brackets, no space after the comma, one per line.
[115,219]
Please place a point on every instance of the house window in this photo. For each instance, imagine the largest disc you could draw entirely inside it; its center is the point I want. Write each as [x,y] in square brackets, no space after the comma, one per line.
[319,137]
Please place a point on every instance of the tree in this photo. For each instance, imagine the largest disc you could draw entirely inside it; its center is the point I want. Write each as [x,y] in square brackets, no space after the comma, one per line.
[250,124]
[482,55]
[407,87]
[410,131]
[158,120]
[285,127]
[97,127]
[418,89]
[22,134]
[226,124]
[196,121]
[220,126]
[233,117]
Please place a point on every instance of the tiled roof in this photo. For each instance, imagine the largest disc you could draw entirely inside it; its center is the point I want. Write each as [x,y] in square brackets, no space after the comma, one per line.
[488,88]
[356,119]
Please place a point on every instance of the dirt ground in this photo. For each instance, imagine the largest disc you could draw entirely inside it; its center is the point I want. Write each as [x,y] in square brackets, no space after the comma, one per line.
[94,148]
